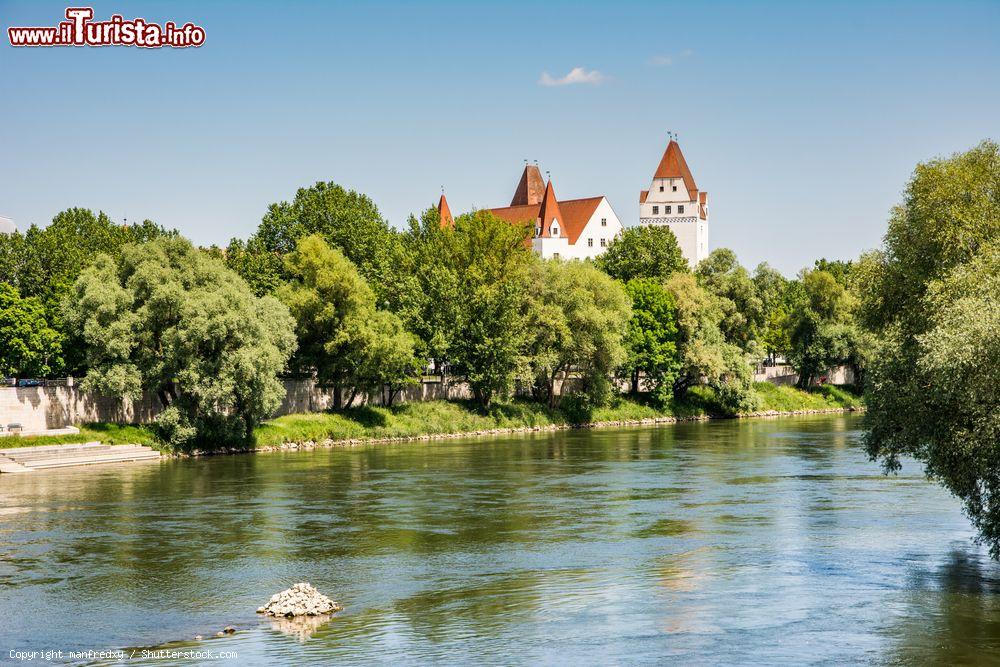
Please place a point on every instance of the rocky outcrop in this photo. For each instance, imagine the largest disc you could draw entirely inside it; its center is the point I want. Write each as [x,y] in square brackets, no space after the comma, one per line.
[299,600]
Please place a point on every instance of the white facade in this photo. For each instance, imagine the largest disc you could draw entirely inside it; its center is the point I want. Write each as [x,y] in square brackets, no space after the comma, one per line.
[673,200]
[597,234]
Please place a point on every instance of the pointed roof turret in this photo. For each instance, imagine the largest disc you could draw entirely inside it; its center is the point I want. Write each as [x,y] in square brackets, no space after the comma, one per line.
[673,165]
[549,213]
[444,212]
[531,187]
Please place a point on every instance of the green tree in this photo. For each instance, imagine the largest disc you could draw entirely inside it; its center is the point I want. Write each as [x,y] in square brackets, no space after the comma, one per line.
[168,319]
[579,318]
[343,338]
[643,252]
[428,286]
[703,352]
[28,346]
[347,220]
[823,331]
[261,268]
[743,311]
[52,258]
[931,298]
[652,337]
[489,341]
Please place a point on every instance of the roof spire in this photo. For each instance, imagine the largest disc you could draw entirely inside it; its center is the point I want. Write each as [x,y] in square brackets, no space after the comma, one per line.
[549,213]
[444,212]
[673,165]
[530,188]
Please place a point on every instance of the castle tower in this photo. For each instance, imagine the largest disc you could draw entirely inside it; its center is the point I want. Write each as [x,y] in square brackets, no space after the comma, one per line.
[444,212]
[530,189]
[674,200]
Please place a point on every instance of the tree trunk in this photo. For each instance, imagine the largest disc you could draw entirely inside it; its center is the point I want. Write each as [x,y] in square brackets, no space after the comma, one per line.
[635,382]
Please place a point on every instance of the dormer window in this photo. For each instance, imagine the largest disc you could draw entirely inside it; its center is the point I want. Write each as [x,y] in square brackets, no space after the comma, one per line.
[555,230]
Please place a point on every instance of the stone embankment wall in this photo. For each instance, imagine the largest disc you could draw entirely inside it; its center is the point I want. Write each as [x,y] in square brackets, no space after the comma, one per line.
[40,408]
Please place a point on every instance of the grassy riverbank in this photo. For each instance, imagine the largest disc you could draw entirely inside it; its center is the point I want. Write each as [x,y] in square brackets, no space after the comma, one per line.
[441,417]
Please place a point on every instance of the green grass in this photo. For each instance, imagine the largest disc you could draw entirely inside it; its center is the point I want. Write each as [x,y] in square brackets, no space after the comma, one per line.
[438,417]
[110,434]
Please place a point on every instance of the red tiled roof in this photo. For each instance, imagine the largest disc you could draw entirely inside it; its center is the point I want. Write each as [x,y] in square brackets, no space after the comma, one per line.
[576,213]
[530,189]
[445,213]
[673,165]
[642,196]
[549,212]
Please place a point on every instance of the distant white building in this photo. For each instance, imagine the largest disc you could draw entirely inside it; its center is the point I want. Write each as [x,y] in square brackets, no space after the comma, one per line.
[7,226]
[569,229]
[674,200]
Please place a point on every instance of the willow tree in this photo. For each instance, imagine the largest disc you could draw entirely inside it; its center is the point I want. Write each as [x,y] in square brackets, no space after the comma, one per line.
[932,297]
[169,319]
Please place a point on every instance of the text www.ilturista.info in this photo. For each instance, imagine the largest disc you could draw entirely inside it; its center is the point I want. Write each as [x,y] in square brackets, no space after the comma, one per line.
[80,30]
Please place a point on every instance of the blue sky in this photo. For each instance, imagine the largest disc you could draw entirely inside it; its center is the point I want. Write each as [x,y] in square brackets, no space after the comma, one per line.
[803,121]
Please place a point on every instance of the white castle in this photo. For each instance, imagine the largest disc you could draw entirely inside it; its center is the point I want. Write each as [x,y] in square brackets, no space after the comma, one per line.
[584,228]
[674,200]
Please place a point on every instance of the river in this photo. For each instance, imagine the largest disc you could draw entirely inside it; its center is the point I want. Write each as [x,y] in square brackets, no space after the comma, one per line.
[728,542]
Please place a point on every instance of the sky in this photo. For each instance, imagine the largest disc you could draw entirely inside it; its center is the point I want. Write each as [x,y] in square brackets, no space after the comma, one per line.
[803,121]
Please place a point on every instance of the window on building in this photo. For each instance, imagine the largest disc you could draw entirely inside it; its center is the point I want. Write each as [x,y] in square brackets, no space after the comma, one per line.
[556,255]
[675,188]
[661,188]
[680,208]
[666,209]
[656,210]
[590,243]
[555,230]
[538,231]
[604,243]
[604,222]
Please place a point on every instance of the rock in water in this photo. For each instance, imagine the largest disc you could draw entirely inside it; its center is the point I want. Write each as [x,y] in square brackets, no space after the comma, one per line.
[299,600]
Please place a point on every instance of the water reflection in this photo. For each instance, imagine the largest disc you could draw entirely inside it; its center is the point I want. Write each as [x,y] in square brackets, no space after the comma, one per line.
[755,542]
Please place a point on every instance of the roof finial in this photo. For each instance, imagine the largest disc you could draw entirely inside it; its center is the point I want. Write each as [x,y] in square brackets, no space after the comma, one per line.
[548,175]
[442,189]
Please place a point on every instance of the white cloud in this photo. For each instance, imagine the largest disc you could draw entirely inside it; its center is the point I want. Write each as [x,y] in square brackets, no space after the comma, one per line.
[576,75]
[667,61]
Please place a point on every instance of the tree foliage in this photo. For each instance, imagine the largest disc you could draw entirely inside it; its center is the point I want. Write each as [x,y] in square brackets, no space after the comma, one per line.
[343,338]
[647,251]
[29,347]
[347,220]
[168,319]
[651,340]
[932,298]
[489,340]
[578,320]
[703,352]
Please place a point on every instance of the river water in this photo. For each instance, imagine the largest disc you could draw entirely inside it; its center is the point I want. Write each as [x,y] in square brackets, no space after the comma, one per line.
[728,542]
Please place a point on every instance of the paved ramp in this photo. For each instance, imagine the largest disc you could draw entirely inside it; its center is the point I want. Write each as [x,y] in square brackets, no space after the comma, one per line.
[27,459]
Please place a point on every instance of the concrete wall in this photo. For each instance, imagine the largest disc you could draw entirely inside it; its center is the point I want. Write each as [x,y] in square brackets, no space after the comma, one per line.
[37,409]
[785,375]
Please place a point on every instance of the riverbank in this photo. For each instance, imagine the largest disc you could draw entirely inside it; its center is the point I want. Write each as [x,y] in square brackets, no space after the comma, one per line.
[450,419]
[445,419]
